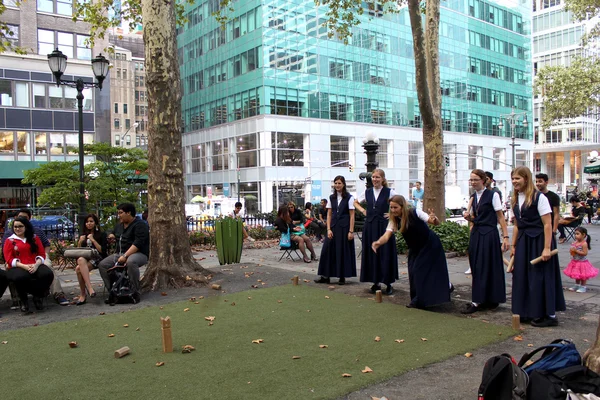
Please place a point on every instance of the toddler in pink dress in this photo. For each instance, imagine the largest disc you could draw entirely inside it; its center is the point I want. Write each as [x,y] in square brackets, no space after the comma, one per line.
[580,268]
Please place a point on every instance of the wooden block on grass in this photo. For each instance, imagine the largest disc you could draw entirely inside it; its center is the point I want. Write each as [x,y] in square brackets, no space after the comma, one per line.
[122,352]
[167,339]
[378,296]
[216,287]
[295,280]
[516,322]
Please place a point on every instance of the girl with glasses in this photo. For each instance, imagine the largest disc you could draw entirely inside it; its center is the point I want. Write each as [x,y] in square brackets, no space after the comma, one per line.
[25,256]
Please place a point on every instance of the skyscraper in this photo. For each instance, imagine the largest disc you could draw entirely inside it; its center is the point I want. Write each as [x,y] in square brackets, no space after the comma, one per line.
[271,94]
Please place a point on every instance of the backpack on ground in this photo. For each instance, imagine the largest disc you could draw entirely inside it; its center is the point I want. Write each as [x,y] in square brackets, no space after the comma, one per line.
[121,290]
[545,385]
[503,379]
[559,354]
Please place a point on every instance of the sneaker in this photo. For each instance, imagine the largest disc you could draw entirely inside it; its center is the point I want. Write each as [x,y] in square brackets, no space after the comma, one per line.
[468,272]
[61,299]
[582,289]
[574,288]
[15,305]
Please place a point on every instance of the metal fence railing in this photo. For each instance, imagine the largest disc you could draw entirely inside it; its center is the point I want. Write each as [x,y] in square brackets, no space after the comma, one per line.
[208,224]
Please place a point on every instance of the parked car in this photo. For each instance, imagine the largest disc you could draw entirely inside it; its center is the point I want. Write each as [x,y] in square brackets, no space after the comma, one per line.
[56,227]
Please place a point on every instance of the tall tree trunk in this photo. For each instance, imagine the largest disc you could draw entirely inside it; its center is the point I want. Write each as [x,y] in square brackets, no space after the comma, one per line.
[427,73]
[171,262]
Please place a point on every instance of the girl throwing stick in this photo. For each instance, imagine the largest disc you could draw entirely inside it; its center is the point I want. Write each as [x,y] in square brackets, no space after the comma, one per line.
[580,268]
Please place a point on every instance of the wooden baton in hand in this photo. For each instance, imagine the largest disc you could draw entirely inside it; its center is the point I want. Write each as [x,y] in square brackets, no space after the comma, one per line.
[539,259]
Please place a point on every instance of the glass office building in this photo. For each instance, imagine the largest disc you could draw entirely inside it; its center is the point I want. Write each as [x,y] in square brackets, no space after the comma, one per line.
[273,96]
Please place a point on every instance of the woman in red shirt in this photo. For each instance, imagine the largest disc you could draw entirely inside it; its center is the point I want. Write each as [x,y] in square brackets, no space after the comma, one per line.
[25,256]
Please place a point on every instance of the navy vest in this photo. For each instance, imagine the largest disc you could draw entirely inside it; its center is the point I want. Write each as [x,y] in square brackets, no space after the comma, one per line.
[528,218]
[340,212]
[484,210]
[376,209]
[417,232]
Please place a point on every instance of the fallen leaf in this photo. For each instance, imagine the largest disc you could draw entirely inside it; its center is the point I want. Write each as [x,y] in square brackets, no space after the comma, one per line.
[209,318]
[188,278]
[201,297]
[518,338]
[160,364]
[163,293]
[423,339]
[323,346]
[161,307]
[225,300]
[257,341]
[326,297]
[530,345]
[186,309]
[331,287]
[306,280]
[137,329]
[296,357]
[102,313]
[585,340]
[233,303]
[279,301]
[254,286]
[187,348]
[259,280]
[346,375]
[210,323]
[399,340]
[126,326]
[366,370]
[5,342]
[249,298]
[468,355]
[111,335]
[72,344]
[377,339]
[263,283]
[196,302]
[192,299]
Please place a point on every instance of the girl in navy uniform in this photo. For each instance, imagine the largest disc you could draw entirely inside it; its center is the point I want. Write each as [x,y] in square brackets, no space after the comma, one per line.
[485,250]
[537,289]
[338,257]
[427,268]
[383,265]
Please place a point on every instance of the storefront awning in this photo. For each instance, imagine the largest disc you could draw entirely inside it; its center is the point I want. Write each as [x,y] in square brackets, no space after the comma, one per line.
[593,168]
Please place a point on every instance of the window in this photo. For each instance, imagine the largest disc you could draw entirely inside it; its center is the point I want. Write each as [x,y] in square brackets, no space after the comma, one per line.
[6,93]
[128,139]
[498,155]
[55,95]
[127,123]
[474,154]
[125,108]
[57,144]
[414,149]
[65,44]
[117,123]
[83,51]
[11,34]
[11,3]
[7,142]
[124,73]
[73,46]
[39,95]
[116,108]
[339,146]
[288,149]
[62,7]
[246,150]
[40,143]
[117,140]
[385,151]
[23,146]
[118,73]
[45,41]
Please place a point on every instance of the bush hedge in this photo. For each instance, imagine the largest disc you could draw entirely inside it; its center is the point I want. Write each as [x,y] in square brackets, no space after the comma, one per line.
[454,237]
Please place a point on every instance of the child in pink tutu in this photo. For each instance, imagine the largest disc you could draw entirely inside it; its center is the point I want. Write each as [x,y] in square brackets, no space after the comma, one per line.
[580,268]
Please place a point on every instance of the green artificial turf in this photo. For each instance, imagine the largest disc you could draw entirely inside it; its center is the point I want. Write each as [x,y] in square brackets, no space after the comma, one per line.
[38,363]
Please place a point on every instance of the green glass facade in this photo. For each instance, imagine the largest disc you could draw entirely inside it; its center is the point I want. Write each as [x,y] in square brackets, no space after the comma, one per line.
[274,57]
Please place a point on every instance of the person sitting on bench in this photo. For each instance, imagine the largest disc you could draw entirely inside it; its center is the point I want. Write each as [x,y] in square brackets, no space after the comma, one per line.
[577,214]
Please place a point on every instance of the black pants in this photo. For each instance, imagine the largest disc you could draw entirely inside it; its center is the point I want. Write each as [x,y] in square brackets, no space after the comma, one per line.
[561,228]
[318,227]
[3,282]
[37,284]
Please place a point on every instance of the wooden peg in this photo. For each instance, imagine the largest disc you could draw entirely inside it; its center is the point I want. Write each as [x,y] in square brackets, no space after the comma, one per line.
[378,296]
[167,339]
[216,287]
[122,352]
[516,322]
[539,259]
[295,280]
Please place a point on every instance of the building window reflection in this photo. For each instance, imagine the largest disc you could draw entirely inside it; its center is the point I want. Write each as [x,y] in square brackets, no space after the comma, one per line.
[41,144]
[6,142]
[23,146]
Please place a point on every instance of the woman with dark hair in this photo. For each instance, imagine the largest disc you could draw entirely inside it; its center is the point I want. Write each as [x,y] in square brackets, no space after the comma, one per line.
[25,256]
[485,247]
[338,257]
[380,267]
[299,235]
[537,289]
[427,268]
[93,238]
[313,222]
[283,223]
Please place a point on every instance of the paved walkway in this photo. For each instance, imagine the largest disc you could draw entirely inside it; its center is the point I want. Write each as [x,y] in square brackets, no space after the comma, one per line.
[269,256]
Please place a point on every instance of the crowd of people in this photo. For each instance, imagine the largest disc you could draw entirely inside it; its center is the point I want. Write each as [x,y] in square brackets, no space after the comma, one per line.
[28,268]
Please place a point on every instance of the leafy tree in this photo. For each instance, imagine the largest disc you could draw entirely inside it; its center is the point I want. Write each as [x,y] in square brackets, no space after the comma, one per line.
[110,179]
[571,91]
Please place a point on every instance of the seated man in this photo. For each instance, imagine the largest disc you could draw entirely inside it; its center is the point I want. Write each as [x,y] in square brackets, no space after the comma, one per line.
[577,213]
[55,289]
[133,245]
[237,212]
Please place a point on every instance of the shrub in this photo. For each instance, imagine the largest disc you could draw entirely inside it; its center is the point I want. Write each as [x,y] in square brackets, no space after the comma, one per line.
[201,238]
[454,237]
[262,233]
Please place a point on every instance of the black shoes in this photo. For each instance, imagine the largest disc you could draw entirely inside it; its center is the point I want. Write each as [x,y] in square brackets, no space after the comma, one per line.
[451,288]
[544,322]
[388,290]
[322,280]
[374,288]
[472,308]
[342,281]
[38,302]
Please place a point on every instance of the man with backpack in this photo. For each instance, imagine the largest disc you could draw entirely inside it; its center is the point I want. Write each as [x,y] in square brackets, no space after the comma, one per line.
[132,238]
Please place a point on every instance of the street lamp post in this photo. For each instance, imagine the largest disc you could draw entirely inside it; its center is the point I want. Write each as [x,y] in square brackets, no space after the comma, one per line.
[135,125]
[512,120]
[58,63]
[371,146]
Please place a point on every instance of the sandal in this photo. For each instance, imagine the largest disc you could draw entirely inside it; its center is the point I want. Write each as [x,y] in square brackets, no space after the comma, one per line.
[314,258]
[306,260]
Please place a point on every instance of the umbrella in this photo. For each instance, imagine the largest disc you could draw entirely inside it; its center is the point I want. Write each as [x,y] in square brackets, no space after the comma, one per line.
[198,199]
[592,168]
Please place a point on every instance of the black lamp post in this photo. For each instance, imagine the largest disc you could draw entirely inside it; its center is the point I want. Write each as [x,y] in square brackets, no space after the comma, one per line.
[371,146]
[58,63]
[512,120]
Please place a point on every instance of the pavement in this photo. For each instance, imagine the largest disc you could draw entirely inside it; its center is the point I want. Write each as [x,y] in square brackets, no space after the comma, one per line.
[456,378]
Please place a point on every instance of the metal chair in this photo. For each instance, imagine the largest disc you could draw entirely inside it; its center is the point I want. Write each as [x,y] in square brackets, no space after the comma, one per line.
[570,229]
[287,252]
